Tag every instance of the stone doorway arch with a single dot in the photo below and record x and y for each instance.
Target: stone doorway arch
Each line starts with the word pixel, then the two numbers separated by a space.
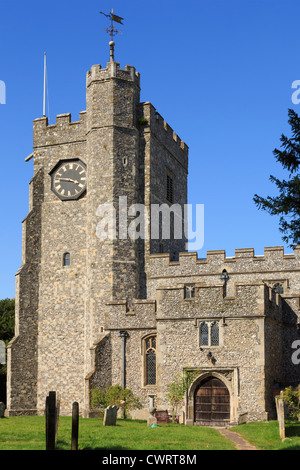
pixel 211 403
pixel 211 400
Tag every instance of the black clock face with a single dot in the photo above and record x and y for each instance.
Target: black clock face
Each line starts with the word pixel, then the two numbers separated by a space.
pixel 69 179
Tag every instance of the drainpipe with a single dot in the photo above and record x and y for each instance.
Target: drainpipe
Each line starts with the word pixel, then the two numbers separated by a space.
pixel 124 335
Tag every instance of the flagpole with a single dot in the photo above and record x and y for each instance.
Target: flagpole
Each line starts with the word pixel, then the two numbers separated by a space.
pixel 44 97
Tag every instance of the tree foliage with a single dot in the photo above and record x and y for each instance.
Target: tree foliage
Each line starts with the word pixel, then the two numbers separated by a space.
pixel 292 399
pixel 178 387
pixel 7 319
pixel 287 204
pixel 7 324
pixel 115 395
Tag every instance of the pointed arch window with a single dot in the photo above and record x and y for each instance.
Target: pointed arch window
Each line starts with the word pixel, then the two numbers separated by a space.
pixel 150 360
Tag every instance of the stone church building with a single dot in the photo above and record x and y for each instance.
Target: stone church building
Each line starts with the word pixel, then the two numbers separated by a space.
pixel 93 312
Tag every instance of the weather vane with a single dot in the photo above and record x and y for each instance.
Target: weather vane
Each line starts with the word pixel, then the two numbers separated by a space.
pixel 112 30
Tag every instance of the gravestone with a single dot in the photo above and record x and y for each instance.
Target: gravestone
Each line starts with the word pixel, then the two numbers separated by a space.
pixel 280 415
pixel 2 409
pixel 152 420
pixel 52 416
pixel 75 426
pixel 110 416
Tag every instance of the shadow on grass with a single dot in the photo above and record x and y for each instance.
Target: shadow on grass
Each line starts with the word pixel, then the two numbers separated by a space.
pixel 106 449
pixel 291 431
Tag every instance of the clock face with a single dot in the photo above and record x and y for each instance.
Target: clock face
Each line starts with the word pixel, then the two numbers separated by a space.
pixel 68 179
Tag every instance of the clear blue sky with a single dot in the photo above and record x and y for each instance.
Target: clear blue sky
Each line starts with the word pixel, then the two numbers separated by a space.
pixel 219 72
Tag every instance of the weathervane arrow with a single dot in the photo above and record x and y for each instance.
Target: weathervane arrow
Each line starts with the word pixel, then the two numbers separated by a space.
pixel 116 18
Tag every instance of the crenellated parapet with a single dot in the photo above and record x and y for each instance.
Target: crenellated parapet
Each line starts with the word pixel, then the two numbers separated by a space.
pixel 249 299
pixel 245 260
pixel 159 128
pixel 135 314
pixel 62 132
pixel 113 70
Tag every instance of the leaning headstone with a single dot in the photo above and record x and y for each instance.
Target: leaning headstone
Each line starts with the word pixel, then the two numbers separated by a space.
pixel 2 409
pixel 110 416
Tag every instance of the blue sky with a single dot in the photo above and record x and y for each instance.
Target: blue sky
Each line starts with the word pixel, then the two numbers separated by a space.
pixel 219 71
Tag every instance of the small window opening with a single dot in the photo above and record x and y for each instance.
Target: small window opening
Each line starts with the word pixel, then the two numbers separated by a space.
pixel 278 288
pixel 189 292
pixel 67 259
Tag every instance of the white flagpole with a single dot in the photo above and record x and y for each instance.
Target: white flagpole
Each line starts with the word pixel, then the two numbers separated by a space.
pixel 44 98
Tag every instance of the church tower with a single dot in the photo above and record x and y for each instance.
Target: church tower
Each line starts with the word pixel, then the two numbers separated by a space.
pixel 119 154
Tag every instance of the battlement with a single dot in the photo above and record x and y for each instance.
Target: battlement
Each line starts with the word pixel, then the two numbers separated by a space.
pixel 248 299
pixel 133 314
pixel 161 129
pixel 245 260
pixel 113 70
pixel 63 131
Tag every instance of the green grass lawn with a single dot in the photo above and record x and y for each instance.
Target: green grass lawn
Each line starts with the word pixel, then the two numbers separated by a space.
pixel 28 433
pixel 265 435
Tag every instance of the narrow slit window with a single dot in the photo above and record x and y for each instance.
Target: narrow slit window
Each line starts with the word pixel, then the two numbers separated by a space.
pixel 170 189
pixel 66 259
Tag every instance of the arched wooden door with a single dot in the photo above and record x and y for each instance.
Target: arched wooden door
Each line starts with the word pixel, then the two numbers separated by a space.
pixel 212 403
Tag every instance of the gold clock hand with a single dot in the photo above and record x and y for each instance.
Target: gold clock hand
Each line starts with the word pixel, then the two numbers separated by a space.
pixel 69 179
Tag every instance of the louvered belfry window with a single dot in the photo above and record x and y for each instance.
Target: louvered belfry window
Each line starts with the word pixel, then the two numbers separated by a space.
pixel 150 352
pixel 170 189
